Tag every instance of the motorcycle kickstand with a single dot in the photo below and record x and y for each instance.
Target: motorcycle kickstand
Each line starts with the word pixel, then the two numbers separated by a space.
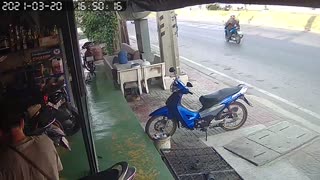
pixel 206 131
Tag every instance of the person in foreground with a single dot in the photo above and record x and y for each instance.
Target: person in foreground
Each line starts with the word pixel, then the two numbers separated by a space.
pixel 23 157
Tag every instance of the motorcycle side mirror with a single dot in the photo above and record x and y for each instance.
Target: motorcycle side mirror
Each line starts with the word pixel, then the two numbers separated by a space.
pixel 189 84
pixel 172 70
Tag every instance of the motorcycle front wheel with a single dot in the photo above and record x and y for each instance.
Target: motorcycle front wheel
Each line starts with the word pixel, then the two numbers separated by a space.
pixel 75 124
pixel 238 117
pixel 238 39
pixel 69 123
pixel 158 126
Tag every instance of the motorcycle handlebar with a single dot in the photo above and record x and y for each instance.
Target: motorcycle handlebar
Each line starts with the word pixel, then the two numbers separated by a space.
pixel 191 93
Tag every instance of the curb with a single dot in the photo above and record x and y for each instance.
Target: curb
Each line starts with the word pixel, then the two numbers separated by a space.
pixel 273 19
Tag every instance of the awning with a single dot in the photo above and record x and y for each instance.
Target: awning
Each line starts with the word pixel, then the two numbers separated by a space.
pixel 163 5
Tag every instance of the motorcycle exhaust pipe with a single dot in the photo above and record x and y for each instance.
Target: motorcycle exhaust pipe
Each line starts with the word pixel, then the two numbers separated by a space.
pixel 216 123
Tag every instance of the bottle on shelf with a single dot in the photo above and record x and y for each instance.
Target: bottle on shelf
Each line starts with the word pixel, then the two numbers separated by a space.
pixel 18 38
pixel 12 38
pixel 24 38
pixel 30 40
pixel 44 31
pixel 36 36
pixel 55 30
pixel 6 42
pixel 42 69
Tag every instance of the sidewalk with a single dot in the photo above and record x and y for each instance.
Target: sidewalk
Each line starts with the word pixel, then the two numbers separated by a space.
pixel 300 163
pixel 202 84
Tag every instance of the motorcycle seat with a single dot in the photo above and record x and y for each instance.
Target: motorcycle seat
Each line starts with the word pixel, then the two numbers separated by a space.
pixel 216 97
pixel 51 89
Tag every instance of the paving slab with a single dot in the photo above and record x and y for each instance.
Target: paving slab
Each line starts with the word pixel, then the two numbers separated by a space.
pixel 306 163
pixel 271 140
pixel 313 149
pixel 278 169
pixel 270 143
pixel 252 151
pixel 308 160
pixel 279 126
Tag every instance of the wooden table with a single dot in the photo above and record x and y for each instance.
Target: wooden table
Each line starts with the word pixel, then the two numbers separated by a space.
pixel 126 75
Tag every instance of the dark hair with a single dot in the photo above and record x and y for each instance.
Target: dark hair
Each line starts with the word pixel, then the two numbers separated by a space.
pixel 10 116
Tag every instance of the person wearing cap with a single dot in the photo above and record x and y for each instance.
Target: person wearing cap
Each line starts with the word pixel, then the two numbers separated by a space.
pixel 21 156
pixel 231 23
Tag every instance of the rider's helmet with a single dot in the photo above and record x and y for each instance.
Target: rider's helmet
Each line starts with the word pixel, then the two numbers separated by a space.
pixel 87 45
pixel 234 15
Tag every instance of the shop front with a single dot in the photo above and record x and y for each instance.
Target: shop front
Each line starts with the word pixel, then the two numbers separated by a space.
pixel 39 48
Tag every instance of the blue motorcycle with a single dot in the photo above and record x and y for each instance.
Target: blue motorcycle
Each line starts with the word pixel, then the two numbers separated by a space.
pixel 236 35
pixel 219 109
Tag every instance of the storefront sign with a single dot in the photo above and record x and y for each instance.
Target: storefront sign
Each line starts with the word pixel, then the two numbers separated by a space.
pixel 45 54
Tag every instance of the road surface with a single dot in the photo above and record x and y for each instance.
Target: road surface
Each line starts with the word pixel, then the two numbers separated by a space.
pixel 281 62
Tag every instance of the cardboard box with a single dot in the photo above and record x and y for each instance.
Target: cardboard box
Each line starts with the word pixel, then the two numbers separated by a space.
pixel 49 41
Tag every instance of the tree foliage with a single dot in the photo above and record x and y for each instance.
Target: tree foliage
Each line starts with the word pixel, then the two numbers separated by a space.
pixel 213 7
pixel 99 26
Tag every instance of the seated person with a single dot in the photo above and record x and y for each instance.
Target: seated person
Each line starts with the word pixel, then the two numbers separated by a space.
pixel 132 53
pixel 127 53
pixel 23 157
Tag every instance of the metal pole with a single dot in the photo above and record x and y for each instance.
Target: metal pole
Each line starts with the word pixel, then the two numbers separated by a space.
pixel 143 38
pixel 78 86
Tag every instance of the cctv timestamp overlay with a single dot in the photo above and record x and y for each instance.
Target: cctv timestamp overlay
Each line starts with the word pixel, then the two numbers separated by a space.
pixel 62 5
pixel 100 5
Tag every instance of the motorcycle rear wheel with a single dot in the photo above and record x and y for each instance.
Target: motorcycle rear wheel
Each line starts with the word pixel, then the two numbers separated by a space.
pixel 235 106
pixel 159 120
pixel 227 39
pixel 90 68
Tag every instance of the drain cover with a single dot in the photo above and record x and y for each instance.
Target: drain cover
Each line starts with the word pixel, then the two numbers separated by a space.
pixel 266 145
pixel 198 164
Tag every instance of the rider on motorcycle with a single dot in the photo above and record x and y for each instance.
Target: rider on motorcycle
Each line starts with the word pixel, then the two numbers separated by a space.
pixel 231 23
pixel 88 52
pixel 88 57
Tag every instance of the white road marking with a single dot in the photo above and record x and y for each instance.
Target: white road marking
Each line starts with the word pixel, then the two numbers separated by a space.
pixel 307 111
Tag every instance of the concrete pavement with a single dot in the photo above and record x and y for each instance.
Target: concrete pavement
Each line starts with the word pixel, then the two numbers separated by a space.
pixel 259 116
pixel 300 164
